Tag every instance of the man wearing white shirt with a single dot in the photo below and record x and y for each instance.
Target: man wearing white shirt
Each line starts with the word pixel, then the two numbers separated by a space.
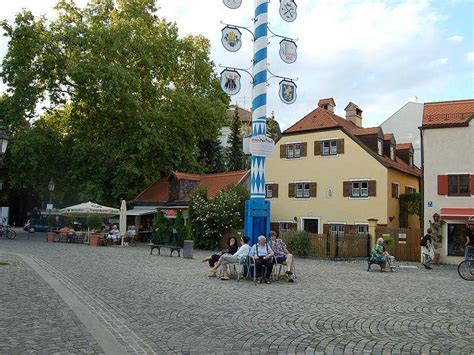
pixel 236 258
pixel 263 255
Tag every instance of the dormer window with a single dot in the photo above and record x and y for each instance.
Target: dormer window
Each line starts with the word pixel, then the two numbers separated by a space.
pixel 392 152
pixel 380 146
pixel 411 159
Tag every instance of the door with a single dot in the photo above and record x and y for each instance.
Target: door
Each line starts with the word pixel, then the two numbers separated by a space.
pixel 311 225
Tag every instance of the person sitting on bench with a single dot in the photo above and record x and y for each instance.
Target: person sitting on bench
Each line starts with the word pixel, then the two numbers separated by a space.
pixel 232 248
pixel 263 256
pixel 114 234
pixel 236 258
pixel 282 255
pixel 377 255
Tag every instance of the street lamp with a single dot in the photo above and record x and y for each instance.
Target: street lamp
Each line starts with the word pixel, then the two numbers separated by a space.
pixel 51 189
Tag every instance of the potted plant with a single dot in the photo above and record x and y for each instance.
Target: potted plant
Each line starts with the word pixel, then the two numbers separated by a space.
pixel 437 234
pixel 94 223
pixel 51 235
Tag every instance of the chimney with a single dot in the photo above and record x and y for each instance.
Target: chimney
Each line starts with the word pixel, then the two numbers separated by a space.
pixel 327 104
pixel 354 114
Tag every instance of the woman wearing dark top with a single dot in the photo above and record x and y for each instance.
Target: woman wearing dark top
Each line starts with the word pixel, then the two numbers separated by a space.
pixel 231 249
pixel 469 246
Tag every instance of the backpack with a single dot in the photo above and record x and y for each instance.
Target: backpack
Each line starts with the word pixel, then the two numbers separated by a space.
pixel 424 241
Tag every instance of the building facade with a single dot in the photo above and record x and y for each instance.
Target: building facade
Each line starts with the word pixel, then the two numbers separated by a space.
pixel 448 173
pixel 331 175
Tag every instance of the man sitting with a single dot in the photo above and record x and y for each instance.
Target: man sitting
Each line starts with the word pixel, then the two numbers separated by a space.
pixel 263 256
pixel 236 258
pixel 113 234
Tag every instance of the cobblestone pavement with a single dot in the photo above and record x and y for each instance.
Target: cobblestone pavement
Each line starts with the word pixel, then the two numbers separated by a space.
pixel 157 304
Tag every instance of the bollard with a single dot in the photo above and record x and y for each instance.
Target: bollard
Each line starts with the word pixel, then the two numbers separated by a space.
pixel 188 248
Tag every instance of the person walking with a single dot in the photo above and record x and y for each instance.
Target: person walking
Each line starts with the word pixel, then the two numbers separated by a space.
pixel 427 251
pixel 469 245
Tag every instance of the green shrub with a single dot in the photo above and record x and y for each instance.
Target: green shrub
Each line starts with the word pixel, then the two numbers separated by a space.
pixel 298 243
pixel 162 232
pixel 94 223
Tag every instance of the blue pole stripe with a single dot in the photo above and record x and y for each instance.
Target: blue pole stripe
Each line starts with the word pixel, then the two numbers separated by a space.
pixel 259 101
pixel 262 8
pixel 260 55
pixel 261 77
pixel 261 31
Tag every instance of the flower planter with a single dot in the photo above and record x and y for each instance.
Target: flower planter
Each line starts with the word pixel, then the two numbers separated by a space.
pixel 94 240
pixel 51 236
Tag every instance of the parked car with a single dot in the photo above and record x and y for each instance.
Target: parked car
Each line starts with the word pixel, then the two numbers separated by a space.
pixel 39 225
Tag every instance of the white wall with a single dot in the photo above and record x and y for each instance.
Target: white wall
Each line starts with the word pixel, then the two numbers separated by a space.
pixel 446 151
pixel 404 125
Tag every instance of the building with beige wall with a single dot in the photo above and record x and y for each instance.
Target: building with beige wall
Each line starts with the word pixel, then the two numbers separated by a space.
pixel 448 172
pixel 331 175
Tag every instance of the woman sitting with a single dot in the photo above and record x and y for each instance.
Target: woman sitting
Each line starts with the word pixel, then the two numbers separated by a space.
pixel 378 255
pixel 231 249
pixel 282 255
pixel 113 234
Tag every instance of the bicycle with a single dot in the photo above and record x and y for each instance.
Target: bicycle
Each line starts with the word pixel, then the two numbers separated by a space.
pixel 466 269
pixel 7 232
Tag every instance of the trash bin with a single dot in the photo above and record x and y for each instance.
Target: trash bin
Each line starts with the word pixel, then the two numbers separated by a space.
pixel 188 246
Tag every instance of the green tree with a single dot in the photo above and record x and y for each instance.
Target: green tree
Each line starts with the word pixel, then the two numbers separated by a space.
pixel 139 97
pixel 212 156
pixel 235 152
pixel 273 128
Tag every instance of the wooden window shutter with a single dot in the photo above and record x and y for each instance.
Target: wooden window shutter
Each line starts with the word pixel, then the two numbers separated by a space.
pixel 304 149
pixel 275 190
pixel 394 190
pixel 283 151
pixel 346 188
pixel 317 148
pixel 442 184
pixel 312 189
pixel 340 146
pixel 291 190
pixel 472 184
pixel 372 188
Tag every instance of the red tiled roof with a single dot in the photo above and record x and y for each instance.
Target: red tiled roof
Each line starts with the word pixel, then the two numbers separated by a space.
pixel 320 119
pixel 245 115
pixel 400 165
pixel 448 113
pixel 158 192
pixel 366 131
pixel 403 146
pixel 388 136
pixel 328 101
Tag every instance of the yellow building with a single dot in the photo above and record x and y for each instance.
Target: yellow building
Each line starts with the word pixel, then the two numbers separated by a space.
pixel 330 175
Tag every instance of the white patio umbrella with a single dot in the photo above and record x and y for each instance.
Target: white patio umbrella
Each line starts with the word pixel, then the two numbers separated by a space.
pixel 88 209
pixel 123 220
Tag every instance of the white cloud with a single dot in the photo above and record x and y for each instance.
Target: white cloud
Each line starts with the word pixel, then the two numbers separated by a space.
pixel 470 56
pixel 456 38
pixel 440 61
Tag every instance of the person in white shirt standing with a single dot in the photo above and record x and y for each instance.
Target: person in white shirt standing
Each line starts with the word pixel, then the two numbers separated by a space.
pixel 236 258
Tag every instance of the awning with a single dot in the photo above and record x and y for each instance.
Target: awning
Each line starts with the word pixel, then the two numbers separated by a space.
pixel 140 211
pixel 463 214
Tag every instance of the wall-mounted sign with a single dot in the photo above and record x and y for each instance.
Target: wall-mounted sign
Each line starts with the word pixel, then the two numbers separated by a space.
pixel 231 38
pixel 230 81
pixel 288 51
pixel 261 146
pixel 233 4
pixel 288 10
pixel 402 238
pixel 287 91
pixel 430 203
pixel 329 192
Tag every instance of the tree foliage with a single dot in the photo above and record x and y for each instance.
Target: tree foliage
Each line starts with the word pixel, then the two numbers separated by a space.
pixel 124 99
pixel 273 128
pixel 235 152
pixel 410 204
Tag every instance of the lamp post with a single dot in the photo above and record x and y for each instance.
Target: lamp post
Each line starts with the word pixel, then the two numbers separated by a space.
pixel 51 189
pixel 3 149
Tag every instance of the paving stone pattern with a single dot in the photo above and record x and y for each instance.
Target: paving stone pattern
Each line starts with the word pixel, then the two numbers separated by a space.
pixel 157 304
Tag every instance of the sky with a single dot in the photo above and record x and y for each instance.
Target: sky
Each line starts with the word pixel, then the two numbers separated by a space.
pixel 378 54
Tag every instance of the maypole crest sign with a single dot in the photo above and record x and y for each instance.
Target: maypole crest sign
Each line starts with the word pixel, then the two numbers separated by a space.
pixel 233 4
pixel 261 146
pixel 287 91
pixel 231 38
pixel 288 51
pixel 230 81
pixel 288 10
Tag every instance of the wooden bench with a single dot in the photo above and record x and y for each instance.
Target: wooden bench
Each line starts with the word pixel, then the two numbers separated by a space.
pixel 172 248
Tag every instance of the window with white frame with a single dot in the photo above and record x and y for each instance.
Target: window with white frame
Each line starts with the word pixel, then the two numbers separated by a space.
pixel 293 150
pixel 380 147
pixel 269 191
pixel 392 152
pixel 360 189
pixel 286 226
pixel 337 229
pixel 363 229
pixel 329 147
pixel 302 190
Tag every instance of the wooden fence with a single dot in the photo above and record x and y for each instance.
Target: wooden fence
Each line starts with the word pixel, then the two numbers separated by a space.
pixel 405 244
pixel 333 246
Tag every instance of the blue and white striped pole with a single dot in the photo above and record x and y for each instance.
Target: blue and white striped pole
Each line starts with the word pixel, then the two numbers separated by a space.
pixel 259 95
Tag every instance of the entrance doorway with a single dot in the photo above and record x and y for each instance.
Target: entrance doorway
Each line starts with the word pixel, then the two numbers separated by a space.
pixel 310 225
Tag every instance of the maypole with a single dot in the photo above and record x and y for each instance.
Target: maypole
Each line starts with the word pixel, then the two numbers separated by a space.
pixel 257 209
